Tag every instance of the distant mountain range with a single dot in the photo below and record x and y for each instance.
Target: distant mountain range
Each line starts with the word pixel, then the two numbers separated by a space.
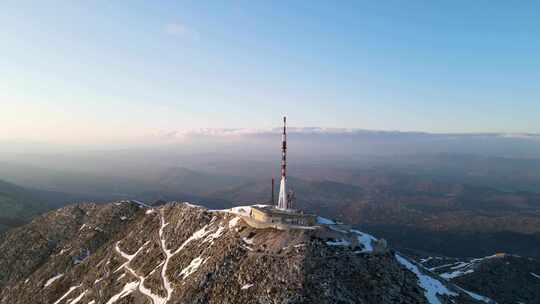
pixel 450 205
pixel 413 208
pixel 19 205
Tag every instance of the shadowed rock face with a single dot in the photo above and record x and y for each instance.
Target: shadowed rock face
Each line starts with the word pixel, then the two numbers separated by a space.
pixel 179 253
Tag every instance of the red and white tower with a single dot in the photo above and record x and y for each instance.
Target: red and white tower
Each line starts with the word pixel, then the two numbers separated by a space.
pixel 283 201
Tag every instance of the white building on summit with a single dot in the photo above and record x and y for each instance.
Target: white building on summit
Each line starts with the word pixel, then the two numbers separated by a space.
pixel 287 216
pixel 284 215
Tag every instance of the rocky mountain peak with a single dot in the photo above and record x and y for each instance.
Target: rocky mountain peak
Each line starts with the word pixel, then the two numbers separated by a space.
pixel 181 253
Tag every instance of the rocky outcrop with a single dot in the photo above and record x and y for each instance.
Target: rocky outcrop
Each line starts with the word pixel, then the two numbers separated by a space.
pixel 180 253
pixel 58 239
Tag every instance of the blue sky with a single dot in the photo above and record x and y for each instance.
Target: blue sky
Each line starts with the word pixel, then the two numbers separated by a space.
pixel 98 71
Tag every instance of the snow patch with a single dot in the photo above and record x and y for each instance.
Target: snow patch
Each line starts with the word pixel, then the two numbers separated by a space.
pixel 150 211
pixel 459 269
pixel 425 260
pixel 365 239
pixel 246 247
pixel 129 257
pixel 455 274
pixel 204 232
pixel 70 290
pixel 535 275
pixel 305 227
pixel 494 256
pixel 128 289
pixel 156 299
pixel 441 266
pixel 78 299
pixel 192 267
pixel 339 243
pixel 166 283
pixel 247 241
pixel 156 268
pixel 261 205
pixel 431 286
pixel 100 262
pixel 247 286
pixel 333 227
pixel 460 265
pixel 233 222
pixel 51 280
pixel 239 210
pixel 139 203
pixel 168 254
pixel 192 205
pixel 478 297
pixel 211 237
pixel 324 221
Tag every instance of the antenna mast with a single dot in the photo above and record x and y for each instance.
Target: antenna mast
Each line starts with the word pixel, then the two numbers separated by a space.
pixel 283 202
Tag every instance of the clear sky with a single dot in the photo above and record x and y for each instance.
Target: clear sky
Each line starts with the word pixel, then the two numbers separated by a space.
pixel 101 71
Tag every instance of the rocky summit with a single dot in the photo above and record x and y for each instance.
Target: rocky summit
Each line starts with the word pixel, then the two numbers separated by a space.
pixel 181 253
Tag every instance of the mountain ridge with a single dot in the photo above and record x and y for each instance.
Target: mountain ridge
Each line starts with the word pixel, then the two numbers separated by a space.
pixel 20 204
pixel 180 253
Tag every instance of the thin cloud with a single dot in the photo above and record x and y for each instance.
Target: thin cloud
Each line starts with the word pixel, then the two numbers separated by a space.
pixel 241 132
pixel 181 30
pixel 315 131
